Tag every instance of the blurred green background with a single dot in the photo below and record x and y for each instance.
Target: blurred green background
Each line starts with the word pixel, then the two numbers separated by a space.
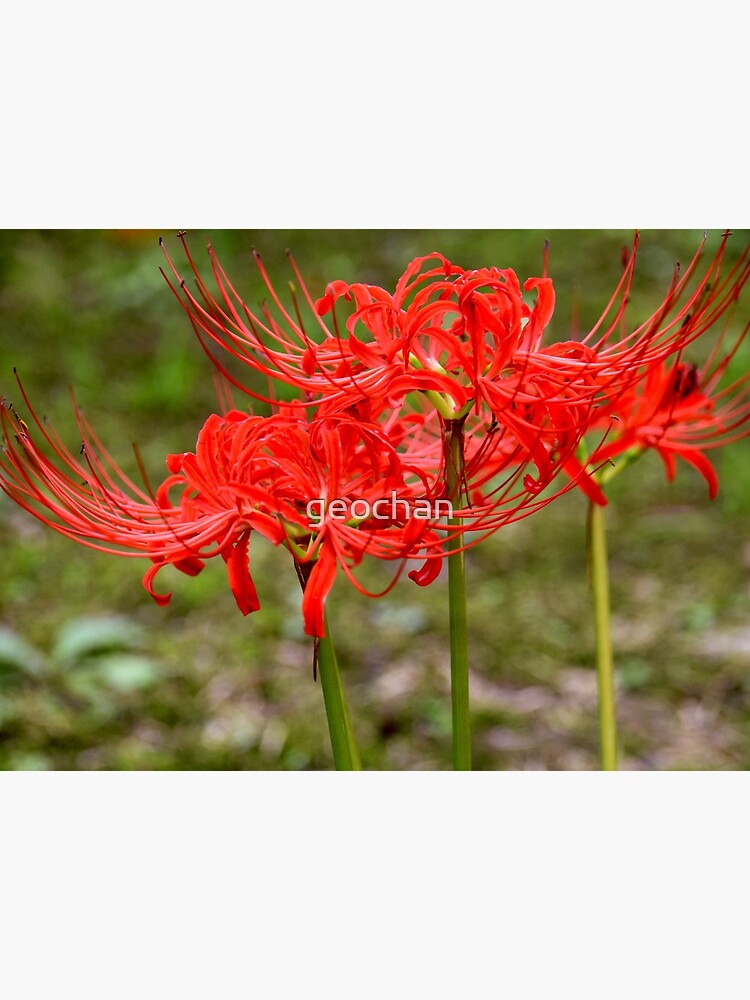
pixel 93 675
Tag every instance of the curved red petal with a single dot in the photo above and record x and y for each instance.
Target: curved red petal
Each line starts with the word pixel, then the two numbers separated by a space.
pixel 700 462
pixel 238 571
pixel 148 582
pixel 316 590
pixel 427 573
pixel 191 565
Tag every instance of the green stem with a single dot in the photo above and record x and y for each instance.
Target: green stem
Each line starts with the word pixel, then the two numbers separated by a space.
pixel 345 753
pixel 457 604
pixel 597 546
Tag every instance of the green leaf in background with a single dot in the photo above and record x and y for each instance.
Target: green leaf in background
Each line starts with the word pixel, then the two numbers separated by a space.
pixel 126 673
pixel 31 762
pixel 105 682
pixel 18 658
pixel 89 636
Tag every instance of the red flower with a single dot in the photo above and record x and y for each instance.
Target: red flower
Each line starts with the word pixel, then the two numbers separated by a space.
pixel 680 411
pixel 248 473
pixel 430 336
pixel 462 338
pixel 465 341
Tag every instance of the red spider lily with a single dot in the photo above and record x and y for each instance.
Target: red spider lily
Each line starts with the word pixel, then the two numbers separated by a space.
pixel 463 338
pixel 467 342
pixel 680 411
pixel 247 473
pixel 281 464
pixel 448 335
pixel 677 408
pixel 405 348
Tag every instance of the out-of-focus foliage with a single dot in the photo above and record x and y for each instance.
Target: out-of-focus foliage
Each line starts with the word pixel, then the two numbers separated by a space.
pixel 93 675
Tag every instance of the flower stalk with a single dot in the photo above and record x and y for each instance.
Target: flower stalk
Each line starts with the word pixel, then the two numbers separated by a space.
pixel 345 752
pixel 454 443
pixel 597 548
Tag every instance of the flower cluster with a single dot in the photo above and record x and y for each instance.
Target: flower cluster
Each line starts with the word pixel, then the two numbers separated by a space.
pixel 443 389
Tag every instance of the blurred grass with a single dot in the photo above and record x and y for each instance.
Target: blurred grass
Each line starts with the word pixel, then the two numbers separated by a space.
pixel 195 685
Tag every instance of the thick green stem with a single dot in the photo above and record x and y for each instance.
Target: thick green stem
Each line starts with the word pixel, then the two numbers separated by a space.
pixel 345 753
pixel 597 546
pixel 457 603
